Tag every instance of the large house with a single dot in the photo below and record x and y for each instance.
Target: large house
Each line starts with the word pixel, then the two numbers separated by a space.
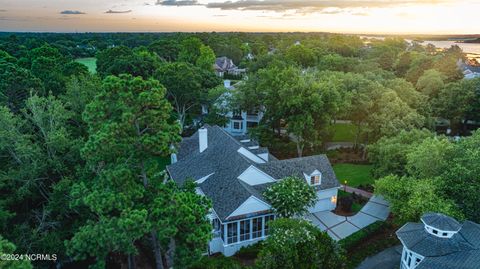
pixel 239 121
pixel 233 171
pixel 440 242
pixel 224 65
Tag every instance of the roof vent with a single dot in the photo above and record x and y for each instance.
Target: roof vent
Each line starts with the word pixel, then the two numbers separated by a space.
pixel 440 225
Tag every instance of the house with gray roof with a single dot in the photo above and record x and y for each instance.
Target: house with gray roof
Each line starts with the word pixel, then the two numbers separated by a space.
pixel 239 121
pixel 440 242
pixel 224 65
pixel 234 171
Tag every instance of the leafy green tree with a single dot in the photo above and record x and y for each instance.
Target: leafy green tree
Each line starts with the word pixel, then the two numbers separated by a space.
pixel 123 60
pixel 290 197
pixel 390 115
pixel 302 101
pixel 80 90
pixel 16 85
pixel 187 86
pixel 431 82
pixel 130 126
pixel 301 55
pixel 403 63
pixel 410 198
pixel 190 50
pixel 460 177
pixel 167 49
pixel 295 243
pixel 453 102
pixel 8 248
pixel 206 59
pixel 389 154
pixel 474 110
pixel 420 63
pixel 38 154
pixel 429 158
pixel 334 62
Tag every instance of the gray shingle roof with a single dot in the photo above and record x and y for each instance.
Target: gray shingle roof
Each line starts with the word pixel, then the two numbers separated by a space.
pixel 223 164
pixel 441 222
pixel 296 167
pixel 462 250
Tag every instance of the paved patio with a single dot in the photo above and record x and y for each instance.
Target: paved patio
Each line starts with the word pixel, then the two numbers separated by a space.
pixel 339 227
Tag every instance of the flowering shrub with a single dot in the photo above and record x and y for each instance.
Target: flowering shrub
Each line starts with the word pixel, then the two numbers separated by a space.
pixel 295 244
pixel 291 196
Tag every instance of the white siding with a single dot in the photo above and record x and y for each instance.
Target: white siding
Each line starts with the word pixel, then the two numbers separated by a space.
pixel 324 202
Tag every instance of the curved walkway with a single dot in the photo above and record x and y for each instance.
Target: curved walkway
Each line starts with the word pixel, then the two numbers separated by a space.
pixel 387 259
pixel 339 227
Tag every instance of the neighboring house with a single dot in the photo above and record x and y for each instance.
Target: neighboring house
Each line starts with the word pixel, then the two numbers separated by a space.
pixel 233 172
pixel 238 121
pixel 440 242
pixel 224 65
pixel 469 71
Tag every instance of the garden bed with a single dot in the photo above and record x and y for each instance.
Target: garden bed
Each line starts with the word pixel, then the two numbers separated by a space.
pixel 357 203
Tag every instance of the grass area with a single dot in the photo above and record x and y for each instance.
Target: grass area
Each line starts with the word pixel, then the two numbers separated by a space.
pixel 90 63
pixel 355 174
pixel 344 132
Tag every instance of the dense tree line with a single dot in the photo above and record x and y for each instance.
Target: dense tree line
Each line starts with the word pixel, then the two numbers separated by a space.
pixel 82 156
pixel 82 153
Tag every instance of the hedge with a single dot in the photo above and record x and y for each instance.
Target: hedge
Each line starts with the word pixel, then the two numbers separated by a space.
pixel 356 237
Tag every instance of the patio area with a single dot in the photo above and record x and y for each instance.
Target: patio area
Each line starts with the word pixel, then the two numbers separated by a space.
pixel 339 227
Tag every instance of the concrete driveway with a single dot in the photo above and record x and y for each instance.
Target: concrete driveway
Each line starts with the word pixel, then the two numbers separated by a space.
pixel 387 259
pixel 339 227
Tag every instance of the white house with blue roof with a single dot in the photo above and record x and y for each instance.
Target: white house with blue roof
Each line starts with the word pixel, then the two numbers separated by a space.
pixel 233 171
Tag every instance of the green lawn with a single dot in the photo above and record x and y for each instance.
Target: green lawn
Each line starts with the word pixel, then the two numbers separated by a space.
pixel 90 62
pixel 344 132
pixel 355 174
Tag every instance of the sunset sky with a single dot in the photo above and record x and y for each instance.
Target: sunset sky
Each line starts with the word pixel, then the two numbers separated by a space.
pixel 346 16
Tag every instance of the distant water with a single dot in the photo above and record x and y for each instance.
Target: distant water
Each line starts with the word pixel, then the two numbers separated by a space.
pixel 469 48
pixel 473 48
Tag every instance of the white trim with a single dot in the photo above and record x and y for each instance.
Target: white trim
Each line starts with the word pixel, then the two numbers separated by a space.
pixel 245 152
pixel 262 203
pixel 245 141
pixel 250 181
pixel 201 180
pixel 254 147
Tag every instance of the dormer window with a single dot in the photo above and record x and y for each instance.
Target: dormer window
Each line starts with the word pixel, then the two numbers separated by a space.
pixel 315 180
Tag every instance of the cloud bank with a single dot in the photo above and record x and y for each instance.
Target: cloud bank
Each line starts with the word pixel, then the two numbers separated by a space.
pixel 313 5
pixel 118 11
pixel 72 12
pixel 177 3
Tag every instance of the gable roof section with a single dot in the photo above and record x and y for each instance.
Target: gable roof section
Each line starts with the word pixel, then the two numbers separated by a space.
pixel 254 176
pixel 219 167
pixel 298 166
pixel 221 158
pixel 252 204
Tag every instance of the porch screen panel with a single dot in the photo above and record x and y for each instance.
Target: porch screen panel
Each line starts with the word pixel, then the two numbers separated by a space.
pixel 257 227
pixel 232 233
pixel 244 230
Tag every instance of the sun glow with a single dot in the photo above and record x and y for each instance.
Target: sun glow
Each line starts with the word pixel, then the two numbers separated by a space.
pixel 435 17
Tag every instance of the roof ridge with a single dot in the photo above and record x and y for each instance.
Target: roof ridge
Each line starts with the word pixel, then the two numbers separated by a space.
pixel 299 158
